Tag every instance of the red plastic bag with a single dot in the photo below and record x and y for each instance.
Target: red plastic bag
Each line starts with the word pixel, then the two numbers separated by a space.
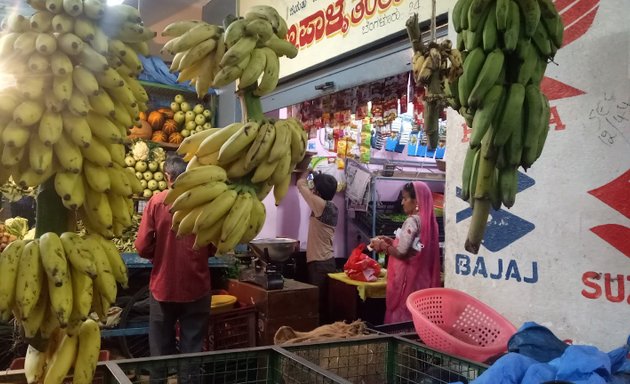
pixel 361 267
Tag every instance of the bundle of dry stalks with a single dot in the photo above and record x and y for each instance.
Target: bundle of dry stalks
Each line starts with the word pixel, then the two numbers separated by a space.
pixel 327 332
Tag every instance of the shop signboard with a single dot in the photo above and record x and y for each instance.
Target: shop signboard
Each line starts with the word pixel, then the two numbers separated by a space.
pixel 561 255
pixel 325 29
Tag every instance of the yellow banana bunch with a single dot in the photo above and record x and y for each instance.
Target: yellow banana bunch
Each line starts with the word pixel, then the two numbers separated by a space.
pixel 247 50
pixel 230 169
pixel 53 283
pixel 75 98
pixel 506 46
pixel 197 48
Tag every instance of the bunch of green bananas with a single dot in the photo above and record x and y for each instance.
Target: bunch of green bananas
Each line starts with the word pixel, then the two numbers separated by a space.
pixel 431 69
pixel 75 64
pixel 248 49
pixel 228 167
pixel 507 46
pixel 51 285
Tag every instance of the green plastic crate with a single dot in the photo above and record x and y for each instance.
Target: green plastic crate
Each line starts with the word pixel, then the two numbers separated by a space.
pixel 246 366
pixel 387 359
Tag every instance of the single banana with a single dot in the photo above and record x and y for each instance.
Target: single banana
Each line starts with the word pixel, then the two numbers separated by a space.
pixel 270 75
pixel 260 28
pixel 68 154
pixel 238 142
pixel 92 60
pixel 60 64
pixel 187 223
pixel 282 142
pixel 35 319
pixel 214 142
pixel 282 169
pixel 103 128
pixel 178 28
pixel 119 183
pixel 105 280
pixel 102 104
pixel 192 143
pixel 61 360
pixel 282 47
pixel 198 195
pixel 97 153
pixel 235 217
pixel 119 268
pixel 215 210
pixel 30 278
pixel 24 44
pixel 82 292
pixel 34 364
pixel 109 79
pixel 256 221
pixel 234 32
pixel 9 262
pixel 38 63
pixel 97 209
pixel 88 352
pixel 280 190
pixel 194 36
pixel 264 171
pixel 210 235
pixel 77 129
pixel 254 68
pixel 40 155
pixel 76 254
pixel 62 87
pixel 237 52
pixel 237 168
pixel 234 237
pixel 198 176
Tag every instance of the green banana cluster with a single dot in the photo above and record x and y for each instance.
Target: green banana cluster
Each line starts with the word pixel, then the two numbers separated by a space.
pixel 506 47
pixel 226 168
pixel 75 63
pixel 434 66
pixel 247 50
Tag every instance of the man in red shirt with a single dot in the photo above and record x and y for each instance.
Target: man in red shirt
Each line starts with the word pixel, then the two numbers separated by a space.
pixel 180 278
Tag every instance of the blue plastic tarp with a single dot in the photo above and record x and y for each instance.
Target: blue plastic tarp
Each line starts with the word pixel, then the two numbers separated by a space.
pixel 156 71
pixel 536 356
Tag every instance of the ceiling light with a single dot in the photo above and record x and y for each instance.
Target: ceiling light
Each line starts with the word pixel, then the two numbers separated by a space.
pixel 114 2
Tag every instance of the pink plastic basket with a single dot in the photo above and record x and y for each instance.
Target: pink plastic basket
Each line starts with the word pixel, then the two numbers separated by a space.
pixel 456 323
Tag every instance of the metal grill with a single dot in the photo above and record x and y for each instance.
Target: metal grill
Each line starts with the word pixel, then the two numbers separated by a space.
pixel 386 359
pixel 252 366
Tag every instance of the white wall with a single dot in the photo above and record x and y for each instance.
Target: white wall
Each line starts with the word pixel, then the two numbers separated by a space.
pixel 568 294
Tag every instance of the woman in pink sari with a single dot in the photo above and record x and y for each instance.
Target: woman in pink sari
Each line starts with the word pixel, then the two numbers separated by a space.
pixel 414 255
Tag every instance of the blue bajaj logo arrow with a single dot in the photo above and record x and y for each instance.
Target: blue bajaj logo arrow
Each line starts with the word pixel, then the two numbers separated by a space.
pixel 503 228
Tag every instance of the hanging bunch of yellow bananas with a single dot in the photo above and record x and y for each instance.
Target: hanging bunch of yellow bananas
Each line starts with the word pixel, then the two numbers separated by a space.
pixel 248 49
pixel 75 64
pixel 434 66
pixel 508 44
pixel 51 285
pixel 230 171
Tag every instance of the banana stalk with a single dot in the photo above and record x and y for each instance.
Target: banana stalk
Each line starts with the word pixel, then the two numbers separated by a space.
pixel 252 105
pixel 51 215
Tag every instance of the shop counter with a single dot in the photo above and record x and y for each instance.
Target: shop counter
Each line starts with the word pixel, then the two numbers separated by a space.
pixel 350 300
pixel 296 305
